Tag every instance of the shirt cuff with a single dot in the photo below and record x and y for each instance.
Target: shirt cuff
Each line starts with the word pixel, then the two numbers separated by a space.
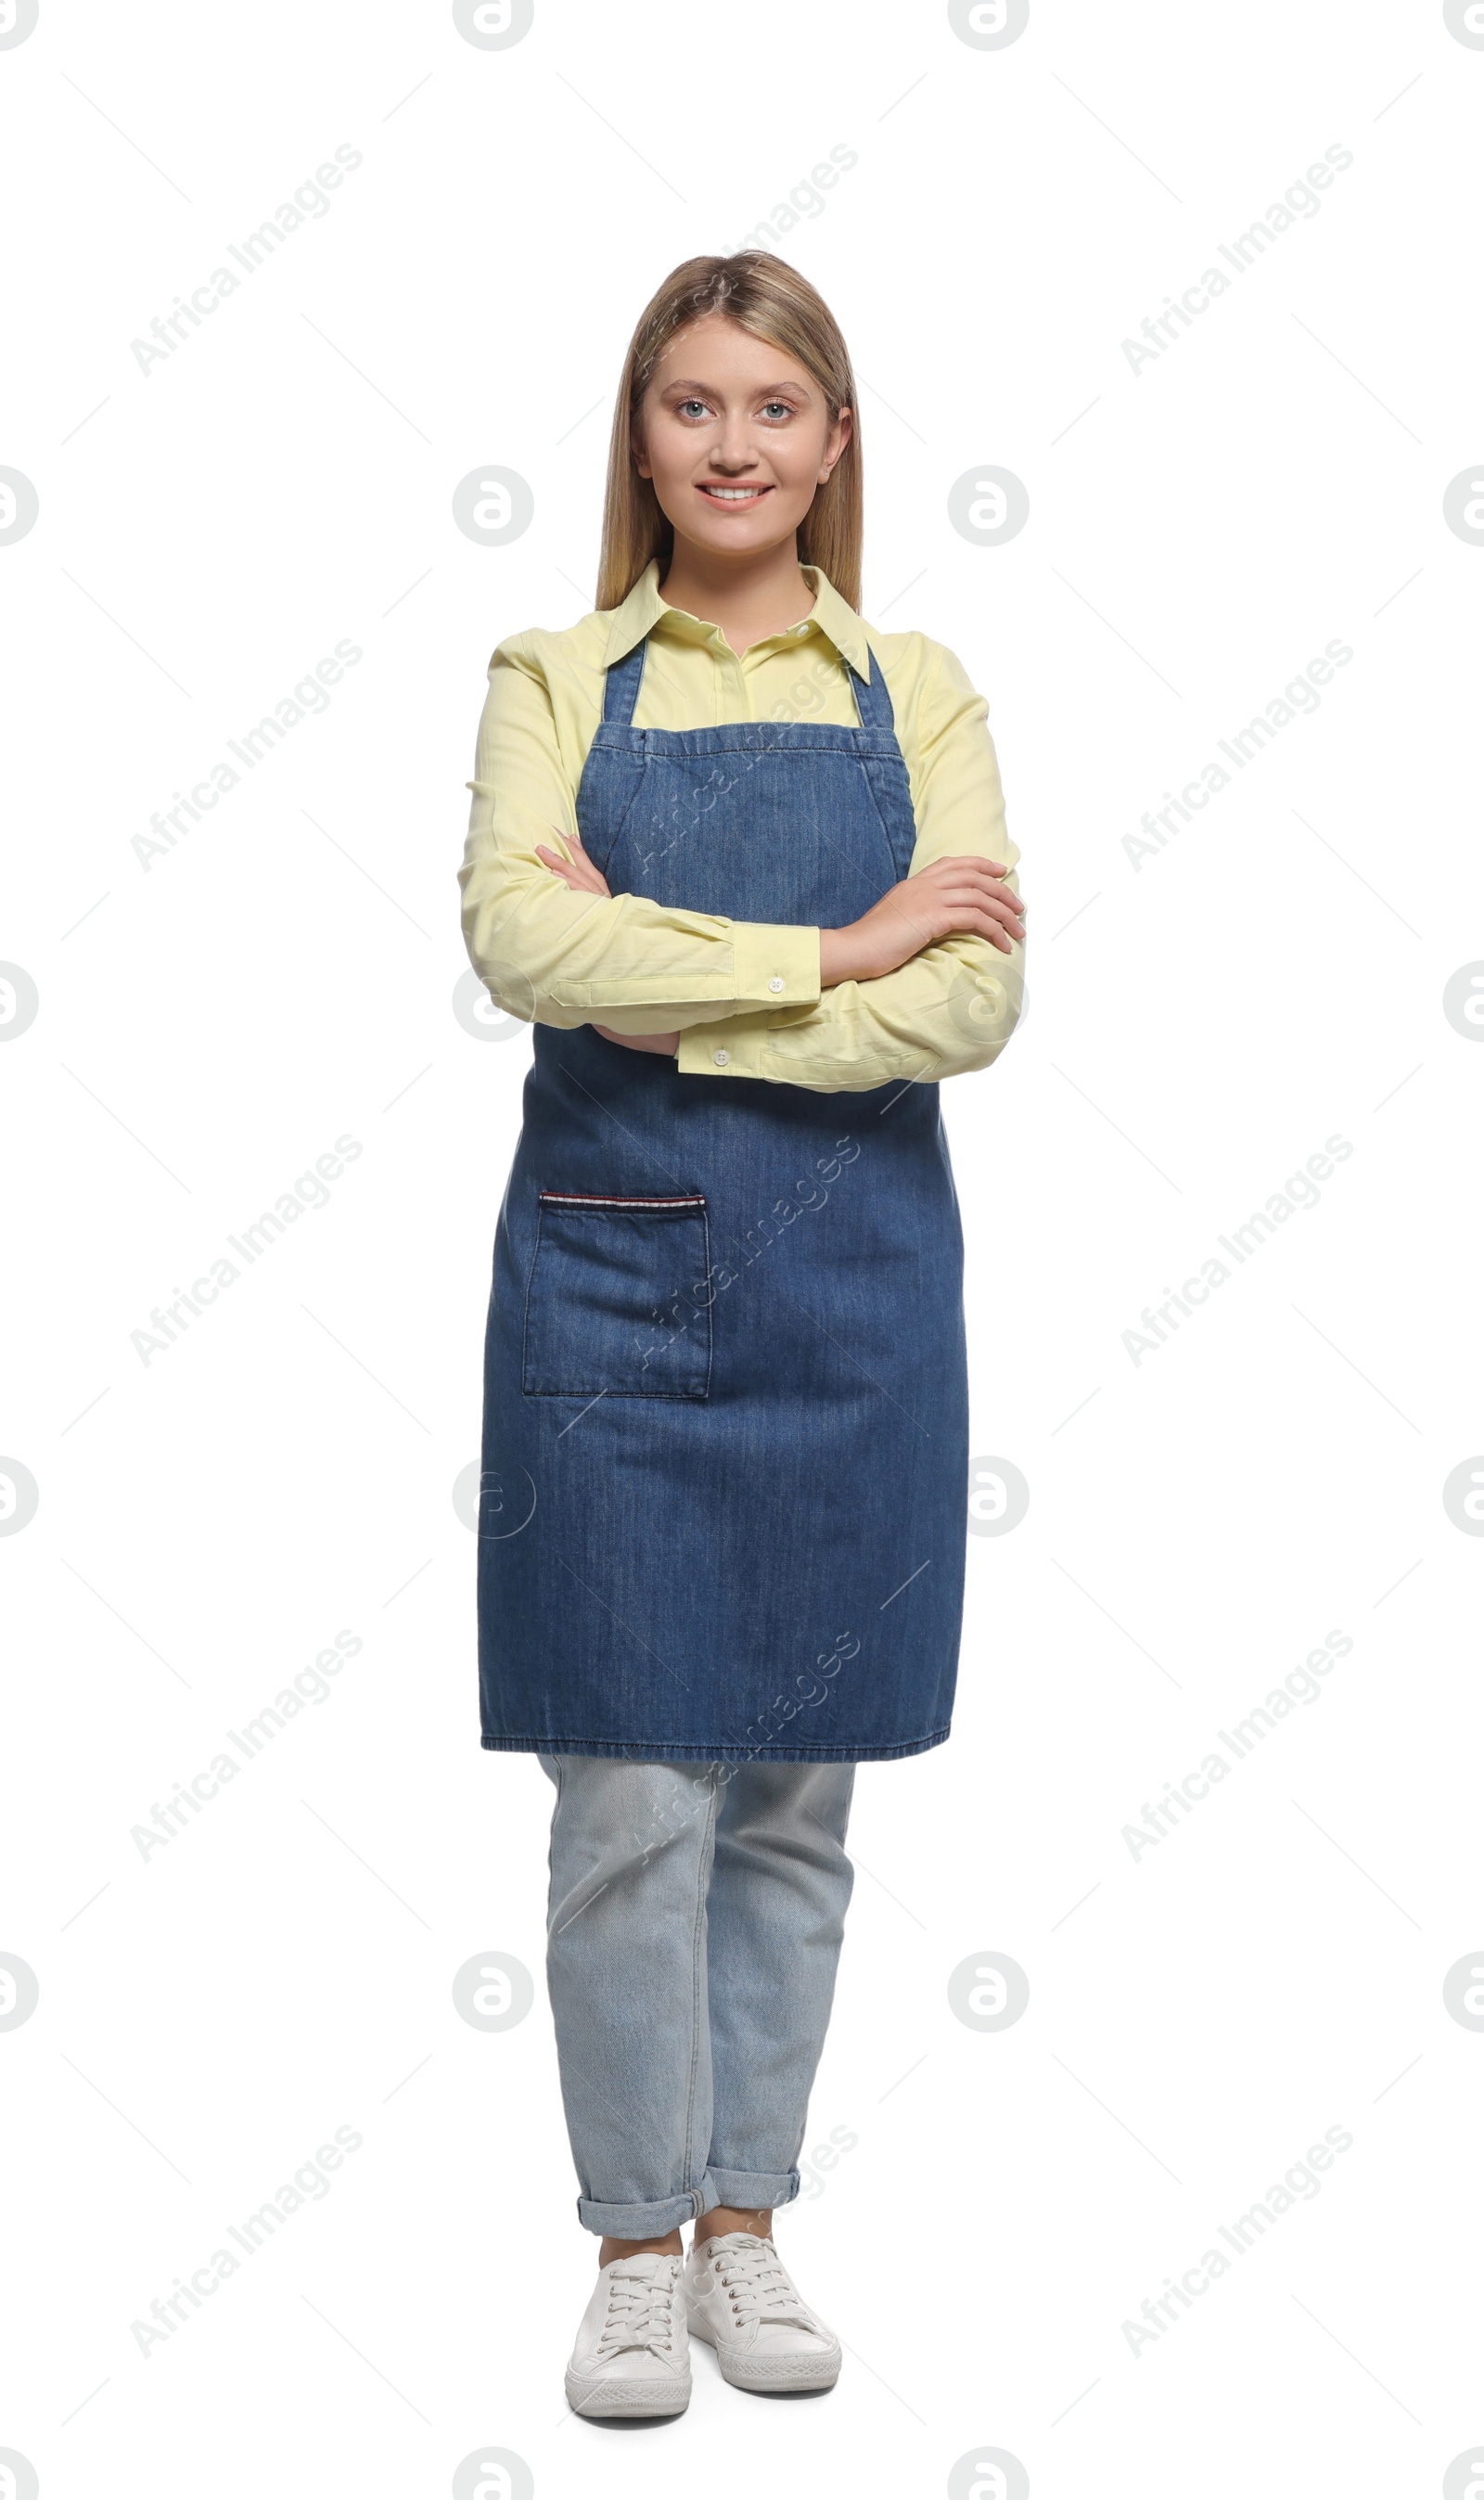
pixel 734 1047
pixel 774 967
pixel 779 964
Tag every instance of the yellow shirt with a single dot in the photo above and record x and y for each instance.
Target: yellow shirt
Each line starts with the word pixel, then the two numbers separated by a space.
pixel 744 995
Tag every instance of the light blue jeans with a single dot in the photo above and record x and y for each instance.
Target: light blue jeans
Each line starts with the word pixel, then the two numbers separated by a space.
pixel 693 1933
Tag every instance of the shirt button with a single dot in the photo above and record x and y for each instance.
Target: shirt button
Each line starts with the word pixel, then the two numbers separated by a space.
pixel 776 984
pixel 721 1057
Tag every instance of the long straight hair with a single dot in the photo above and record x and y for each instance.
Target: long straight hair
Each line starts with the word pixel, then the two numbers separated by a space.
pixel 769 297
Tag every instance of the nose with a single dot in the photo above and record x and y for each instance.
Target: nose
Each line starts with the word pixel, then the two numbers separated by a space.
pixel 733 450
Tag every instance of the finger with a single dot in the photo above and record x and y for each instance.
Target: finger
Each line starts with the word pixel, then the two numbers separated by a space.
pixel 969 920
pixel 1006 915
pixel 988 892
pixel 969 860
pixel 962 876
pixel 579 877
pixel 966 874
pixel 1003 909
pixel 983 926
pixel 979 872
pixel 994 935
pixel 998 922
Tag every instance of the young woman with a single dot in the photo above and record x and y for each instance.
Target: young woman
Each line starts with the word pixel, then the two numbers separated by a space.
pixel 741 861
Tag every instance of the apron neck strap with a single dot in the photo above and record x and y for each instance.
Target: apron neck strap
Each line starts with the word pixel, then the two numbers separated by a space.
pixel 871 699
pixel 620 688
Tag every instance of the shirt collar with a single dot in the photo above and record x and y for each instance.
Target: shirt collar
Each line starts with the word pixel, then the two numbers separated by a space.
pixel 644 605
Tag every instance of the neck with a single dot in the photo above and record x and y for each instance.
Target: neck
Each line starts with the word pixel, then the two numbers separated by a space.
pixel 749 597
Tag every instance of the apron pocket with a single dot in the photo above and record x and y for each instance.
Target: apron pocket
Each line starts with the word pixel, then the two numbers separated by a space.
pixel 614 1303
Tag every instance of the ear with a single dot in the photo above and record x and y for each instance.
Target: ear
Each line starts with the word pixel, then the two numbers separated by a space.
pixel 838 435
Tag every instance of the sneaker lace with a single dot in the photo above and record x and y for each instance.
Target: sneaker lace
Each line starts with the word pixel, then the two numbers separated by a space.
pixel 641 2304
pixel 756 2281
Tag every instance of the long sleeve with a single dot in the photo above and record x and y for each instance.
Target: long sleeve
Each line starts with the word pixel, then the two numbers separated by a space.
pixel 566 959
pixel 952 1007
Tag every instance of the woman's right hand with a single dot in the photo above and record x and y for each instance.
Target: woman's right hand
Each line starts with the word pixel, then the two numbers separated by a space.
pixel 965 895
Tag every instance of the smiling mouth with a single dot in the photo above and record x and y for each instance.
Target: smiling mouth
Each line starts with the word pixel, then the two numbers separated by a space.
pixel 736 494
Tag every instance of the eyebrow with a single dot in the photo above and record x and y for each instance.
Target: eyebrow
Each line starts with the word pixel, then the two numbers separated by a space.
pixel 771 391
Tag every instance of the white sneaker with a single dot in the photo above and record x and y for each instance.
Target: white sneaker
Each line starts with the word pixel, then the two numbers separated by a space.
pixel 631 2354
pixel 739 2297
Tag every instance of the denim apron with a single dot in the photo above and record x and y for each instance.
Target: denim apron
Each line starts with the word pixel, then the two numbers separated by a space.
pixel 724 1473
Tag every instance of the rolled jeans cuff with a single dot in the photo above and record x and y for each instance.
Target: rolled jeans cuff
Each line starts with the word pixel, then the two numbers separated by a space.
pixel 751 2191
pixel 745 2190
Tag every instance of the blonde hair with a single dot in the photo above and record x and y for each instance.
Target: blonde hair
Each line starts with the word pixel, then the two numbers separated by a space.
pixel 765 296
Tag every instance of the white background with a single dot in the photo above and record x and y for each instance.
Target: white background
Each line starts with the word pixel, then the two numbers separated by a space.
pixel 1199 1520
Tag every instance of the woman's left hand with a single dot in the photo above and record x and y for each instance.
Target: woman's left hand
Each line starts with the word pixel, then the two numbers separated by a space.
pixel 578 874
pixel 581 877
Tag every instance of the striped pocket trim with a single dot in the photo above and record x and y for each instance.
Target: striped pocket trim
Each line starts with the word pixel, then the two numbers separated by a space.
pixel 594 1198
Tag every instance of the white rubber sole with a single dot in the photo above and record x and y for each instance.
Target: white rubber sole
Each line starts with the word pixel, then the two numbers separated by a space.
pixel 777 2372
pixel 633 2399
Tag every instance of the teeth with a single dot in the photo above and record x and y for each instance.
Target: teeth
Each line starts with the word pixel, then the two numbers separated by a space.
pixel 734 494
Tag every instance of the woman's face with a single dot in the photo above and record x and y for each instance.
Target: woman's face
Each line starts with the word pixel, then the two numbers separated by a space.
pixel 735 437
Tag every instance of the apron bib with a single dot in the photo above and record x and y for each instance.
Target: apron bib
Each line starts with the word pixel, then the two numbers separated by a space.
pixel 725 1455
